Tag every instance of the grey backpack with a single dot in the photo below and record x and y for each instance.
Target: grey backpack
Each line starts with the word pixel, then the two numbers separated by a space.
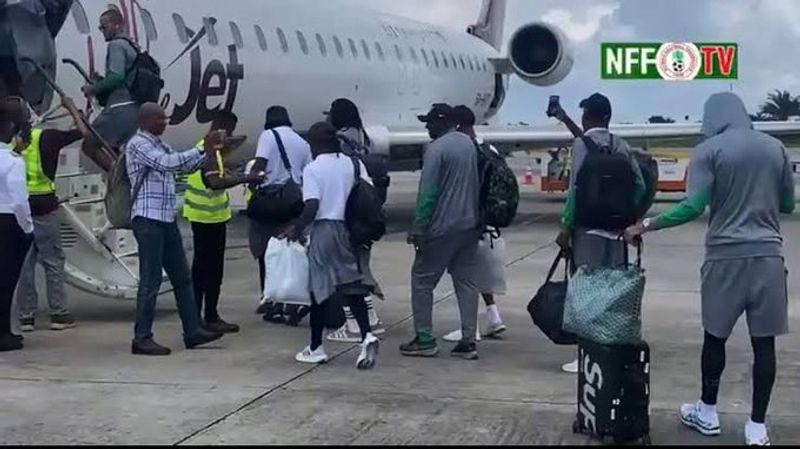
pixel 119 197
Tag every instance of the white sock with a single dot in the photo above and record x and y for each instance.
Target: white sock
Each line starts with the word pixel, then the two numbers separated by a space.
pixel 493 313
pixel 707 411
pixel 760 428
pixel 373 315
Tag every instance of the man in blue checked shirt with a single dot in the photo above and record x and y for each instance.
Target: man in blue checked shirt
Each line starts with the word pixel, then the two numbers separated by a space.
pixel 152 164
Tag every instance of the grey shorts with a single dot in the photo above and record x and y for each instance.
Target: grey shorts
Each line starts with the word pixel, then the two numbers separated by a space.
pixel 117 124
pixel 756 286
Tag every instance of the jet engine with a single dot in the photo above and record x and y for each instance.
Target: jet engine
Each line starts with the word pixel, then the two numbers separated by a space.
pixel 540 54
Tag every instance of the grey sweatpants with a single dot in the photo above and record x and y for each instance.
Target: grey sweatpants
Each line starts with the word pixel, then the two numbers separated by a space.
pixel 755 286
pixel 455 253
pixel 47 250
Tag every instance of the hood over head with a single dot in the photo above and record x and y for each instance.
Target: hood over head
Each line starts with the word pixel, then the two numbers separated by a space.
pixel 724 111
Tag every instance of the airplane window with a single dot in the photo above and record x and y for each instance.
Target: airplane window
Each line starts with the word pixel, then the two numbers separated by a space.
pixel 262 39
pixel 323 50
pixel 435 59
pixel 485 68
pixel 237 35
pixel 365 47
pixel 149 25
pixel 398 52
pixel 425 57
pixel 79 16
pixel 444 60
pixel 461 60
pixel 282 39
pixel 303 44
pixel 379 49
pixel 453 60
pixel 413 55
pixel 211 32
pixel 353 48
pixel 338 44
pixel 471 65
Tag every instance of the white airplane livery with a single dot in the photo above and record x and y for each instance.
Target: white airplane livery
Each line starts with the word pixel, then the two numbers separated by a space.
pixel 246 55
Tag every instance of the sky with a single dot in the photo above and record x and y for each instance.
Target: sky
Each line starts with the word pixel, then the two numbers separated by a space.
pixel 767 31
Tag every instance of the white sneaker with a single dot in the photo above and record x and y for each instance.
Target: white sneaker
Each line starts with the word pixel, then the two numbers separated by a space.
pixel 369 353
pixel 494 330
pixel 755 434
pixel 705 423
pixel 313 357
pixel 571 367
pixel 345 335
pixel 455 336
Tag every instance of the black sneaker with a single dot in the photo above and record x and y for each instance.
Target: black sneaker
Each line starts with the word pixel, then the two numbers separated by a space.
pixel 274 314
pixel 10 342
pixel 296 315
pixel 221 327
pixel 61 322
pixel 416 348
pixel 465 350
pixel 200 338
pixel 149 348
pixel 27 324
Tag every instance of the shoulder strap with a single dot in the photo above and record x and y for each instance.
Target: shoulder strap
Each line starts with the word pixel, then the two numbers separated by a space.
pixel 356 168
pixel 131 43
pixel 286 163
pixel 565 255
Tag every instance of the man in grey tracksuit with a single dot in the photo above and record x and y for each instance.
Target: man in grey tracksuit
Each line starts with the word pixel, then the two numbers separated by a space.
pixel 746 178
pixel 445 232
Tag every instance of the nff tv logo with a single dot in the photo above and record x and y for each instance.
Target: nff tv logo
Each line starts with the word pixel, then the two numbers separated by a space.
pixel 672 61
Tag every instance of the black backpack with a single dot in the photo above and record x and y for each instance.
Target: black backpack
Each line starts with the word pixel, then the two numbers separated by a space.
pixel 605 187
pixel 499 196
pixel 364 214
pixel 649 167
pixel 143 79
pixel 377 166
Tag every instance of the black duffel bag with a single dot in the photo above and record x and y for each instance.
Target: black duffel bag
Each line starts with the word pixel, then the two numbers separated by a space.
pixel 277 203
pixel 547 307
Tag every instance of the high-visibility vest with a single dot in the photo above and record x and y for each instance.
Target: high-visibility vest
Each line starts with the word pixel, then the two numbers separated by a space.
pixel 204 205
pixel 38 183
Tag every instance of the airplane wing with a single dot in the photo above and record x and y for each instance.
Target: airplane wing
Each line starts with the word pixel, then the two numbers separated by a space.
pixel 515 138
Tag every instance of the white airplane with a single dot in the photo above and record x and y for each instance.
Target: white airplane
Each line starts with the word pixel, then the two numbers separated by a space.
pixel 245 55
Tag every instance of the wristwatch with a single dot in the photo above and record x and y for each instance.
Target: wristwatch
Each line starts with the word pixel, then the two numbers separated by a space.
pixel 646 223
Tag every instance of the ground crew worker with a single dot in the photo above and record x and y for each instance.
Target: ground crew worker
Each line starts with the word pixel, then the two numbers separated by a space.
pixel 41 162
pixel 207 207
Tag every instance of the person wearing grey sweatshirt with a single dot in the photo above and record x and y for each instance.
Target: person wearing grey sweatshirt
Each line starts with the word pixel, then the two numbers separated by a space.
pixel 445 233
pixel 746 178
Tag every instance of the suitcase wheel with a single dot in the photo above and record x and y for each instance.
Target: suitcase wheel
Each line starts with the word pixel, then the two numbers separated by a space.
pixel 577 428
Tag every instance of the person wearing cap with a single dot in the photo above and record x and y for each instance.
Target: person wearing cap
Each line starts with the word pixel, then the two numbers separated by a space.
pixel 490 272
pixel 591 247
pixel 278 134
pixel 445 233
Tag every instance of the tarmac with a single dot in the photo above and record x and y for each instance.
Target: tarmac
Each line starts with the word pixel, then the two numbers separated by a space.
pixel 83 386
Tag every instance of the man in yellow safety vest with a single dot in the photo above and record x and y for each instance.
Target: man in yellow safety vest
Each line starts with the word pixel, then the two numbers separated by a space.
pixel 207 208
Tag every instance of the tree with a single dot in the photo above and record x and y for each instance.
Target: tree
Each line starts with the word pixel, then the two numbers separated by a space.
pixel 660 119
pixel 780 106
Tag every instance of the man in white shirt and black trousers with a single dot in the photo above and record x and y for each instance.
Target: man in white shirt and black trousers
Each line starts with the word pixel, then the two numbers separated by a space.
pixel 16 224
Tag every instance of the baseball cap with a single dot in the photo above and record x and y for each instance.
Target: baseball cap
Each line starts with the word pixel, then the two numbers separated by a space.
pixel 439 111
pixel 463 116
pixel 598 105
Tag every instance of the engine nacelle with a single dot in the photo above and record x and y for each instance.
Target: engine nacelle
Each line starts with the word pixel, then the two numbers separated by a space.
pixel 540 54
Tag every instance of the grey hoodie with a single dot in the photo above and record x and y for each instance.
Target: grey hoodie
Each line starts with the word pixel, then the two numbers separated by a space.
pixel 746 176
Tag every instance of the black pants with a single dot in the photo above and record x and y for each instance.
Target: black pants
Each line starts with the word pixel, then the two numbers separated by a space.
pixel 14 245
pixel 764 366
pixel 318 313
pixel 208 267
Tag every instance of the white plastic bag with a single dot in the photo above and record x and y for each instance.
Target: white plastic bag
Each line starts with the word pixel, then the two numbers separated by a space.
pixel 490 266
pixel 287 277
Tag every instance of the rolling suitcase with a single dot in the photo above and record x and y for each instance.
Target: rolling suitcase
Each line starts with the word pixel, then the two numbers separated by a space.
pixel 614 392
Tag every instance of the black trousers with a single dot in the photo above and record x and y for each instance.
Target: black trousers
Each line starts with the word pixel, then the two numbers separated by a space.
pixel 208 267
pixel 14 245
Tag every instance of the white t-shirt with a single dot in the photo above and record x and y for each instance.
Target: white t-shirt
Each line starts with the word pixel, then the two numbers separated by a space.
pixel 297 150
pixel 329 179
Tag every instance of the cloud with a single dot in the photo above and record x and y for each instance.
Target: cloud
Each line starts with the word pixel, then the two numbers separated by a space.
pixel 580 30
